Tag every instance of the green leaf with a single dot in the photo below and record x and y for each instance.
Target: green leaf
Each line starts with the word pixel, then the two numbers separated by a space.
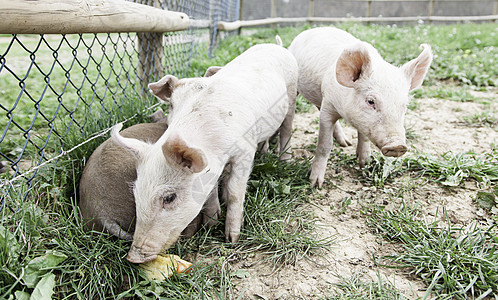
pixel 241 273
pixel 39 266
pixel 9 248
pixel 45 288
pixel 20 295
pixel 486 200
pixel 455 179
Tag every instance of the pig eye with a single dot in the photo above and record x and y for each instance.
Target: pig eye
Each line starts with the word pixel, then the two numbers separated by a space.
pixel 371 102
pixel 169 198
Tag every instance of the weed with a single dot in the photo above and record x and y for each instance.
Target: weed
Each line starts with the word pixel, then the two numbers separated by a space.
pixel 453 93
pixel 485 118
pixel 278 222
pixel 455 262
pixel 354 288
pixel 449 169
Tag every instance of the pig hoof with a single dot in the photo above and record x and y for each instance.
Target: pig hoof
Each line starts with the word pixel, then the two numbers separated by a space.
pixel 136 256
pixel 342 140
pixel 344 143
pixel 285 157
pixel 362 162
pixel 394 151
pixel 316 180
pixel 233 237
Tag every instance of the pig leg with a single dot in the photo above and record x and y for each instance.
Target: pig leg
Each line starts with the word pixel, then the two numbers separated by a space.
pixel 264 146
pixel 235 193
pixel 340 137
pixel 113 228
pixel 363 150
pixel 285 129
pixel 326 127
pixel 211 209
pixel 193 227
pixel 224 183
pixel 208 216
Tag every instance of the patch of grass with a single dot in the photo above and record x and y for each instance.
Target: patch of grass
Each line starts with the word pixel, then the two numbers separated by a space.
pixel 485 118
pixel 355 288
pixel 277 225
pixel 462 52
pixel 455 262
pixel 277 219
pixel 449 169
pixel 61 80
pixel 302 105
pixel 453 93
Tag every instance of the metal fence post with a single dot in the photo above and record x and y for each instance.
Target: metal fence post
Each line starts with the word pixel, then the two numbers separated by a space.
pixel 214 16
pixel 150 56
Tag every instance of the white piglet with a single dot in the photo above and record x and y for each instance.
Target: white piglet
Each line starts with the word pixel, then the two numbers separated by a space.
pixel 347 78
pixel 217 122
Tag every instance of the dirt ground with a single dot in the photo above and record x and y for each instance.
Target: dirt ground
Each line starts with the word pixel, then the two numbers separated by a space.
pixel 439 128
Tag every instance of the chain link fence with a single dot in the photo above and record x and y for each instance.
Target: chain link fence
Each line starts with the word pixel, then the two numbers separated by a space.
pixel 53 84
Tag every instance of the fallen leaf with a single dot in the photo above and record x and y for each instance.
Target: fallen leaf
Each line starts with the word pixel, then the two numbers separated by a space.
pixel 164 266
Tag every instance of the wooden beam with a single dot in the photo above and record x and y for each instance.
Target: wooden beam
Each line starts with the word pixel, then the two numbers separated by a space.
pixel 229 26
pixel 86 16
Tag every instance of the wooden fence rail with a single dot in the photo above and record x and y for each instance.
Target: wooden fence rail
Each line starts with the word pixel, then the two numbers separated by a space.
pixel 229 26
pixel 86 16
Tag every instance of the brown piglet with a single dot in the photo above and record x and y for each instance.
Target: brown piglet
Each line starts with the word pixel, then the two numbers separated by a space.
pixel 106 199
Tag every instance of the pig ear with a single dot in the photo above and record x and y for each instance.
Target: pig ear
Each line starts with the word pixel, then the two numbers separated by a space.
pixel 136 147
pixel 212 70
pixel 352 63
pixel 416 69
pixel 164 87
pixel 177 151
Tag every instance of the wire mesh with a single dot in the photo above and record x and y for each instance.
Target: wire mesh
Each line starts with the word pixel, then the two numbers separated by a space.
pixel 52 84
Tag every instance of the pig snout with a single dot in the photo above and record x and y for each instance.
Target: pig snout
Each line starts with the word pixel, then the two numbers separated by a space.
pixel 137 255
pixel 394 150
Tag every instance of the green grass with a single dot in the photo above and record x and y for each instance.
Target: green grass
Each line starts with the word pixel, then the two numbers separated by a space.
pixel 447 92
pixel 465 53
pixel 94 265
pixel 449 169
pixel 355 288
pixel 455 262
pixel 44 238
pixel 484 118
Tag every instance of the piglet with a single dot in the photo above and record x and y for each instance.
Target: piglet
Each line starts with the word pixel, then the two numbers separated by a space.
pixel 106 198
pixel 216 124
pixel 347 78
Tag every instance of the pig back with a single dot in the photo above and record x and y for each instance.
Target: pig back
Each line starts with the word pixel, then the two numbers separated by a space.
pixel 316 51
pixel 105 189
pixel 256 85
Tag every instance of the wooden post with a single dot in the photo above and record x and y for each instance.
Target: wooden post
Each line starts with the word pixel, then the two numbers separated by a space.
pixel 495 9
pixel 241 3
pixel 431 10
pixel 273 13
pixel 369 9
pixel 311 9
pixel 150 57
